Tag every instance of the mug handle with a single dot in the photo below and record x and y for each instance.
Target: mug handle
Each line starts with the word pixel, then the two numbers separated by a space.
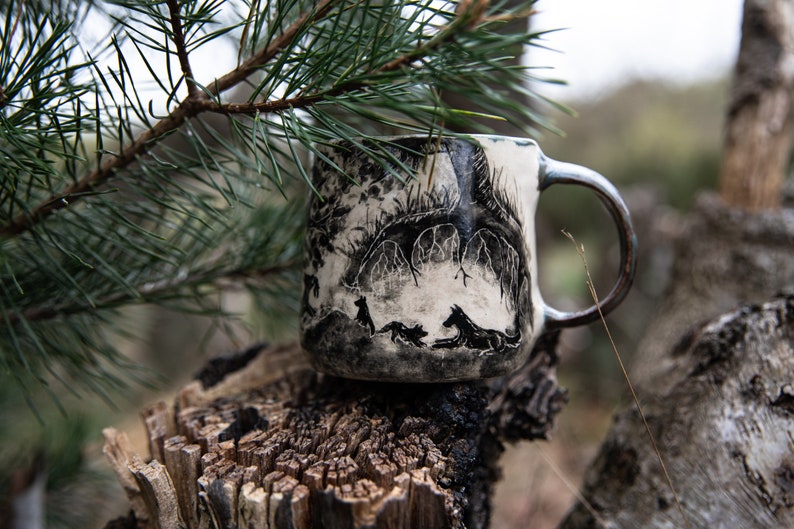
pixel 555 172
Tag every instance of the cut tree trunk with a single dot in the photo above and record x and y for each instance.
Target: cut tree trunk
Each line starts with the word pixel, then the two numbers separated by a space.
pixel 261 447
pixel 723 422
pixel 760 118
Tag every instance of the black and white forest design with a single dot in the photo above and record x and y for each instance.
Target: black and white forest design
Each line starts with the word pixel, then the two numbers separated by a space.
pixel 426 279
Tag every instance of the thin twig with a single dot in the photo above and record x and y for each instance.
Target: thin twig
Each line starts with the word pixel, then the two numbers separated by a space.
pixel 435 157
pixel 244 36
pixel 255 61
pixel 9 39
pixel 181 48
pixel 624 371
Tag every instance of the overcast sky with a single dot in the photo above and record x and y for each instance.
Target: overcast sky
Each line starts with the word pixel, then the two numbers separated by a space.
pixel 608 42
pixel 603 43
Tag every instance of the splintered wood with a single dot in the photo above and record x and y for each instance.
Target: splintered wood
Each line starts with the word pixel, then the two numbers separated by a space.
pixel 252 463
pixel 302 450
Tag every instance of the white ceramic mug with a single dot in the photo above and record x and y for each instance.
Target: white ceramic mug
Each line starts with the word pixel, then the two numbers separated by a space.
pixel 433 277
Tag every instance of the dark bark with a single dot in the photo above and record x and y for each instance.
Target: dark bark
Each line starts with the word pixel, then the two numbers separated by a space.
pixel 265 447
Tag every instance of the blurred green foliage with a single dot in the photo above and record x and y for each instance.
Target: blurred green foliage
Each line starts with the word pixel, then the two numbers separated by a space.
pixel 81 492
pixel 660 145
pixel 649 133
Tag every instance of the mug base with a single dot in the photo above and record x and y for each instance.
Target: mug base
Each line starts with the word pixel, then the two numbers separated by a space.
pixel 409 364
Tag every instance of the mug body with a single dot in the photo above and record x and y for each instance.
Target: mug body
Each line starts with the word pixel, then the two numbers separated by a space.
pixel 428 278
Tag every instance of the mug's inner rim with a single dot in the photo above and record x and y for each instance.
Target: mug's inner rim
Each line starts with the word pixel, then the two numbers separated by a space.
pixel 394 138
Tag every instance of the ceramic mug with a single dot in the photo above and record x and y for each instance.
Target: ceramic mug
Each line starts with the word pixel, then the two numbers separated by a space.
pixel 421 267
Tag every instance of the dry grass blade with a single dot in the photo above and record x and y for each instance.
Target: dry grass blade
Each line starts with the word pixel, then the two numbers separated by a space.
pixel 560 473
pixel 594 295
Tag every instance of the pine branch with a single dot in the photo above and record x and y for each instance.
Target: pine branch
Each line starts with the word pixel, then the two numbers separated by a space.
pixel 198 101
pixel 58 333
pixel 226 280
pixel 103 204
pixel 466 19
pixel 189 108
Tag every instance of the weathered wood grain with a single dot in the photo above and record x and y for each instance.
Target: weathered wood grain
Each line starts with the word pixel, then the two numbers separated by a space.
pixel 723 418
pixel 267 447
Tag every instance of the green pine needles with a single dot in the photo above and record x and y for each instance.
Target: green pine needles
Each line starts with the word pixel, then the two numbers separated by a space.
pixel 125 179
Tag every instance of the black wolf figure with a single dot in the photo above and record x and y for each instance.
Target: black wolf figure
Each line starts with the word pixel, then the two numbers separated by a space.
pixel 363 316
pixel 475 337
pixel 408 335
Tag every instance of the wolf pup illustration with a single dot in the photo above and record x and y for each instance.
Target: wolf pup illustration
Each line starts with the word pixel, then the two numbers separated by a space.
pixel 362 316
pixel 403 333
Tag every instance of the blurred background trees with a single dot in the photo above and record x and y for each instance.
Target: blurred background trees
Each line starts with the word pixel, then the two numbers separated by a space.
pixel 661 144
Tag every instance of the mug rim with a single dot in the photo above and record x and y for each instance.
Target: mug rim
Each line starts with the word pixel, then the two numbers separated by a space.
pixel 518 140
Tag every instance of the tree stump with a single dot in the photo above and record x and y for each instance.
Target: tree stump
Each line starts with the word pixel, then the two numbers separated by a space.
pixel 723 419
pixel 267 447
